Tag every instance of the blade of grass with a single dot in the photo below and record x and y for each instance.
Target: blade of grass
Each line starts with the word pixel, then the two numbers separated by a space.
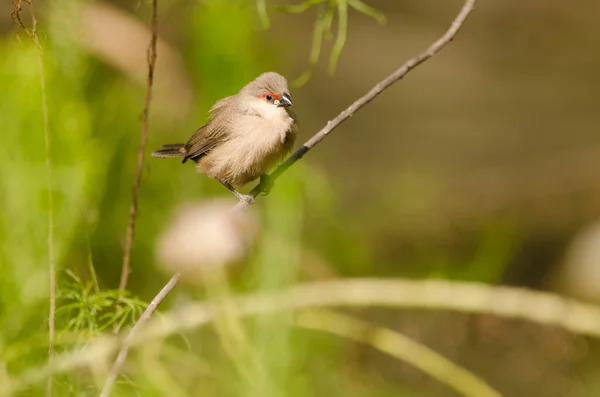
pixel 368 10
pixel 261 7
pixel 399 346
pixel 328 21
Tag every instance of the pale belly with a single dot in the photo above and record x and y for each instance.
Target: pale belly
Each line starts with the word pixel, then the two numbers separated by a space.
pixel 244 159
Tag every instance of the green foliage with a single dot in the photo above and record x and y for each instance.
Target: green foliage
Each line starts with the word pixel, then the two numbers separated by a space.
pixel 326 11
pixel 84 307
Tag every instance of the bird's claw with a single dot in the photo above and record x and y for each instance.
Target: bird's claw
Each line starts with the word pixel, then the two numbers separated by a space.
pixel 245 198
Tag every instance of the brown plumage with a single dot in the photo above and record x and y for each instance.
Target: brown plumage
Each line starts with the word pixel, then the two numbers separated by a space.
pixel 247 133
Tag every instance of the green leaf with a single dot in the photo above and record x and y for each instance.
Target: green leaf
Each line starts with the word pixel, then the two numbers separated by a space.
pixel 340 40
pixel 368 10
pixel 299 8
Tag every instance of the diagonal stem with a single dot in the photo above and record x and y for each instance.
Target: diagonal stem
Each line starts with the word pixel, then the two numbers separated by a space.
pixel 124 350
pixel 383 85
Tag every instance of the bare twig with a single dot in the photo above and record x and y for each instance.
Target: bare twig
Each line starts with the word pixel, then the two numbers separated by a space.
pixel 126 267
pixel 118 364
pixel 369 96
pixel 32 33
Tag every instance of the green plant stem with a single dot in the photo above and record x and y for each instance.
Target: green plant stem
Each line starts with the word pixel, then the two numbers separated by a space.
pixel 340 41
pixel 261 6
pixel 315 49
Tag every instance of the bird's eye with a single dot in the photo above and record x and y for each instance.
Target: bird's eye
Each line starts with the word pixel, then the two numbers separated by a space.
pixel 268 97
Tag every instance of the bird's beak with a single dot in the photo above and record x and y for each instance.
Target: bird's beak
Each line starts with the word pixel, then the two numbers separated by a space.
pixel 285 101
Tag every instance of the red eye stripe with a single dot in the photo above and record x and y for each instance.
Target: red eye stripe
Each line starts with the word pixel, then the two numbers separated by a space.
pixel 273 96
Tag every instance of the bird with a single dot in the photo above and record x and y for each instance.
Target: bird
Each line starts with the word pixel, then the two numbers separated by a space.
pixel 247 134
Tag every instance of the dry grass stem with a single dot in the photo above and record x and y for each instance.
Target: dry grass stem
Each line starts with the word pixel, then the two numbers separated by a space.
pixel 122 356
pixel 152 54
pixel 401 347
pixel 32 33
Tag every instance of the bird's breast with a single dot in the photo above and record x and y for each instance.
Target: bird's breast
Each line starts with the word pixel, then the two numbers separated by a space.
pixel 255 145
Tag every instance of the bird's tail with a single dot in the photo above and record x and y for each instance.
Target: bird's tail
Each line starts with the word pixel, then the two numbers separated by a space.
pixel 169 151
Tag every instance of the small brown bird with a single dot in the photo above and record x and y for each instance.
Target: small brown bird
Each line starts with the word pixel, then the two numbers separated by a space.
pixel 247 134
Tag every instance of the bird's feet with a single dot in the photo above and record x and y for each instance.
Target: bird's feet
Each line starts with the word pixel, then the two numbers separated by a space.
pixel 245 198
pixel 266 184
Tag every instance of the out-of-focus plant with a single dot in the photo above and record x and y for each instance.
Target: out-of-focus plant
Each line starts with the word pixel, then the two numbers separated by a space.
pixel 82 306
pixel 326 12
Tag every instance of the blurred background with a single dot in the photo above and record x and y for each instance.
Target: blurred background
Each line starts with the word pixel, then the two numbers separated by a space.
pixel 483 164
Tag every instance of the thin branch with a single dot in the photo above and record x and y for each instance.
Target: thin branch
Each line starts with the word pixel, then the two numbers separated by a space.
pixel 122 356
pixel 126 267
pixel 32 33
pixel 369 96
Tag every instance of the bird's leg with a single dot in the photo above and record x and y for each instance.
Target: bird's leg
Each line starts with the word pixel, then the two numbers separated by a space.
pixel 266 184
pixel 246 198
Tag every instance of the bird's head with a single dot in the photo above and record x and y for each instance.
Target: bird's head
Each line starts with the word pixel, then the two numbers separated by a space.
pixel 270 88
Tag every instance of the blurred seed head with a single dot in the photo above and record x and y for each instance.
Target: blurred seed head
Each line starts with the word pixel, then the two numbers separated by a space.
pixel 206 236
pixel 579 275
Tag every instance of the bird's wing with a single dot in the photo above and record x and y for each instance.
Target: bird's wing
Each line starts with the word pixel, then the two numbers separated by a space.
pixel 220 107
pixel 211 134
pixel 206 138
